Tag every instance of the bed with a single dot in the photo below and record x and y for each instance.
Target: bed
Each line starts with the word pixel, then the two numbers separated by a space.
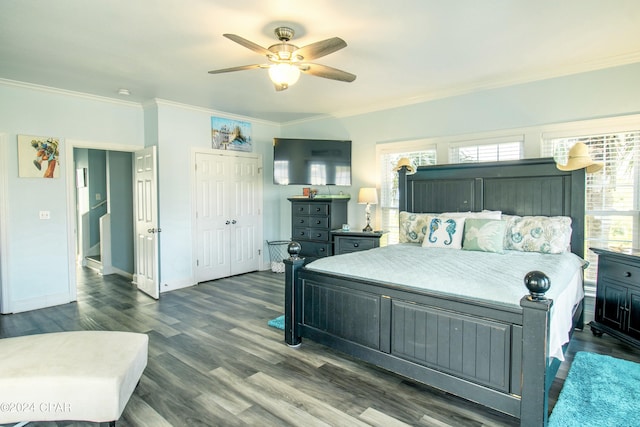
pixel 424 332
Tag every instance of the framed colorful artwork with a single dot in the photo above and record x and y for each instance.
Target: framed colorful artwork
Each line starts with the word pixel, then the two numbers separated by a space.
pixel 227 134
pixel 38 156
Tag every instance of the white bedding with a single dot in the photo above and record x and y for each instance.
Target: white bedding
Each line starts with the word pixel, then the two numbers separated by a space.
pixel 483 276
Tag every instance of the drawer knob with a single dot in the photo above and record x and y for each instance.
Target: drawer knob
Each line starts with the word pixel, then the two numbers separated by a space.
pixel 318 235
pixel 302 221
pixel 627 274
pixel 318 222
pixel 355 245
pixel 321 249
pixel 317 209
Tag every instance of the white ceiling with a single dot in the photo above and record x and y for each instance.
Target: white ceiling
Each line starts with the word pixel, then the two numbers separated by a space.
pixel 402 51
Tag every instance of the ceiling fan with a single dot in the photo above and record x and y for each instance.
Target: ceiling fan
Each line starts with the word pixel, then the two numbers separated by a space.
pixel 286 60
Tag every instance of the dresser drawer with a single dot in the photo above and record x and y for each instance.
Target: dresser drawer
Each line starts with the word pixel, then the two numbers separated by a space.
pixel 310 209
pixel 310 233
pixel 348 244
pixel 300 209
pixel 311 221
pixel 620 272
pixel 315 249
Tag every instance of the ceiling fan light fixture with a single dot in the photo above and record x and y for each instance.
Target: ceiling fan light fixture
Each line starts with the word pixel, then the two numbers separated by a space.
pixel 284 74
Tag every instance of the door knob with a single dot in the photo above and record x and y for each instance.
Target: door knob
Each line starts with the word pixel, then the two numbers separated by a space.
pixel 227 222
pixel 234 221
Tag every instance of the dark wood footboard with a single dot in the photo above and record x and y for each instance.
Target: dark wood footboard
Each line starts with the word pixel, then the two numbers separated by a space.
pixel 490 355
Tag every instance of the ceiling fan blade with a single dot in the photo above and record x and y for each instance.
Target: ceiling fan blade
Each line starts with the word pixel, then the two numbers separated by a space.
pixel 248 44
pixel 327 72
pixel 240 68
pixel 319 49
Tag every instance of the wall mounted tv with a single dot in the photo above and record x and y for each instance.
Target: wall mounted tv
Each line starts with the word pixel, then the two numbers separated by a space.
pixel 311 162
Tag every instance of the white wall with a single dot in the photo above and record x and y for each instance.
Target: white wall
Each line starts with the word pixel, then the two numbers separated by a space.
pixel 597 94
pixel 37 260
pixel 181 129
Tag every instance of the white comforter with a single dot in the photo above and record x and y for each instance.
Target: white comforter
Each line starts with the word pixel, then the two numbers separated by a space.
pixel 482 276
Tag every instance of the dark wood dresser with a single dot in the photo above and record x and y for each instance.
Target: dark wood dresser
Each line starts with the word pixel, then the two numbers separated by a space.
pixel 312 221
pixel 617 309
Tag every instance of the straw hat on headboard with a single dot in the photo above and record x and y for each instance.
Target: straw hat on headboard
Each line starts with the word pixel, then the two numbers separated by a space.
pixel 579 158
pixel 404 161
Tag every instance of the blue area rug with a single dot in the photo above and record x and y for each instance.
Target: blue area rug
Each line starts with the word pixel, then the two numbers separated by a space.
pixel 599 391
pixel 277 323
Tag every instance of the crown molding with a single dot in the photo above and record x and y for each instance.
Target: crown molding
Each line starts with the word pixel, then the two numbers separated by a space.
pixel 168 103
pixel 58 91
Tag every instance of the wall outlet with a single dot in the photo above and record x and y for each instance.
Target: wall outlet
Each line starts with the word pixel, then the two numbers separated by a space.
pixel 45 214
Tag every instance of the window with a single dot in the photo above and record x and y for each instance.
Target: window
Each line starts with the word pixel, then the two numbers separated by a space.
pixel 612 206
pixel 486 152
pixel 389 201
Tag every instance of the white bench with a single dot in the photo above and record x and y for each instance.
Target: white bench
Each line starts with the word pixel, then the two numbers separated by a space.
pixel 75 376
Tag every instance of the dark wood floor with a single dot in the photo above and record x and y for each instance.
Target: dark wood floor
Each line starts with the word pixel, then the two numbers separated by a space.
pixel 213 361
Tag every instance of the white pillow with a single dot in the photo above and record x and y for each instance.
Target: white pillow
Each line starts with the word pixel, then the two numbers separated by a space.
pixel 443 232
pixel 479 215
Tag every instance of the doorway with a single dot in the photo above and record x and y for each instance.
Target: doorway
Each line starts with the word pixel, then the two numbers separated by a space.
pixel 101 199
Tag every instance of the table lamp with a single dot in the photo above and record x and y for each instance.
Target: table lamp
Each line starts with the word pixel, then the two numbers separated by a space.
pixel 370 197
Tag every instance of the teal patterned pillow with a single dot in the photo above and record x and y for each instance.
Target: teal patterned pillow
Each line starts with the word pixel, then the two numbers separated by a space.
pixel 485 235
pixel 443 232
pixel 545 234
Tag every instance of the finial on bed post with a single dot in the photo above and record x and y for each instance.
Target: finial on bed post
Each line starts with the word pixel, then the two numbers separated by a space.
pixel 292 295
pixel 294 249
pixel 536 309
pixel 538 284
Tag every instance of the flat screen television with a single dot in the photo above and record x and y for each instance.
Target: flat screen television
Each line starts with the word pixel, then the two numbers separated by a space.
pixel 311 162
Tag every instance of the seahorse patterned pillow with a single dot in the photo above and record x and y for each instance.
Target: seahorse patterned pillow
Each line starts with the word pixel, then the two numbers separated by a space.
pixel 545 234
pixel 484 235
pixel 443 232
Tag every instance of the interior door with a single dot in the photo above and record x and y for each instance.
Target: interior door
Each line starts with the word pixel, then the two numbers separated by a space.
pixel 227 215
pixel 213 221
pixel 244 213
pixel 146 213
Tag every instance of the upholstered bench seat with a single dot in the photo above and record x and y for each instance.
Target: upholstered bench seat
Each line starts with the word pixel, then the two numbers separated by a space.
pixel 79 376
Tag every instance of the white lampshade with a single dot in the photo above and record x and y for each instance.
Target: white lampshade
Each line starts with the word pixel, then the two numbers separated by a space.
pixel 368 195
pixel 284 74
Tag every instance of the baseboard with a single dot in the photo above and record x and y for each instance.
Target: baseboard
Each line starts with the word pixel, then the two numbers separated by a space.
pixel 40 302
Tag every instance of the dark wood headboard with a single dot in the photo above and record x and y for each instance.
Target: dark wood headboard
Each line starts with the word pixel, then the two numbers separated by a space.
pixel 522 187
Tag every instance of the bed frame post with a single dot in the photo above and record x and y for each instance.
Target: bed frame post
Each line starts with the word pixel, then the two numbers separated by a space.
pixel 292 296
pixel 402 189
pixel 536 310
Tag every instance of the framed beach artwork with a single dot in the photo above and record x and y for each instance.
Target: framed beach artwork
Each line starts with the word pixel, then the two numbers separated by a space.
pixel 38 156
pixel 227 134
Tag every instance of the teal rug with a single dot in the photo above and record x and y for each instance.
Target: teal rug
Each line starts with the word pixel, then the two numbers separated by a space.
pixel 277 323
pixel 599 391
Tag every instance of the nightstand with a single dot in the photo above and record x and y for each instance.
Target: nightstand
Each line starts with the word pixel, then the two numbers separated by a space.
pixel 618 295
pixel 354 241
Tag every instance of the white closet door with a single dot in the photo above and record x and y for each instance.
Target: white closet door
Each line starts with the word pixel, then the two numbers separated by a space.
pixel 244 211
pixel 227 215
pixel 212 215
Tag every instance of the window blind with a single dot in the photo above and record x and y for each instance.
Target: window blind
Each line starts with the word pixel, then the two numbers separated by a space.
pixel 611 207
